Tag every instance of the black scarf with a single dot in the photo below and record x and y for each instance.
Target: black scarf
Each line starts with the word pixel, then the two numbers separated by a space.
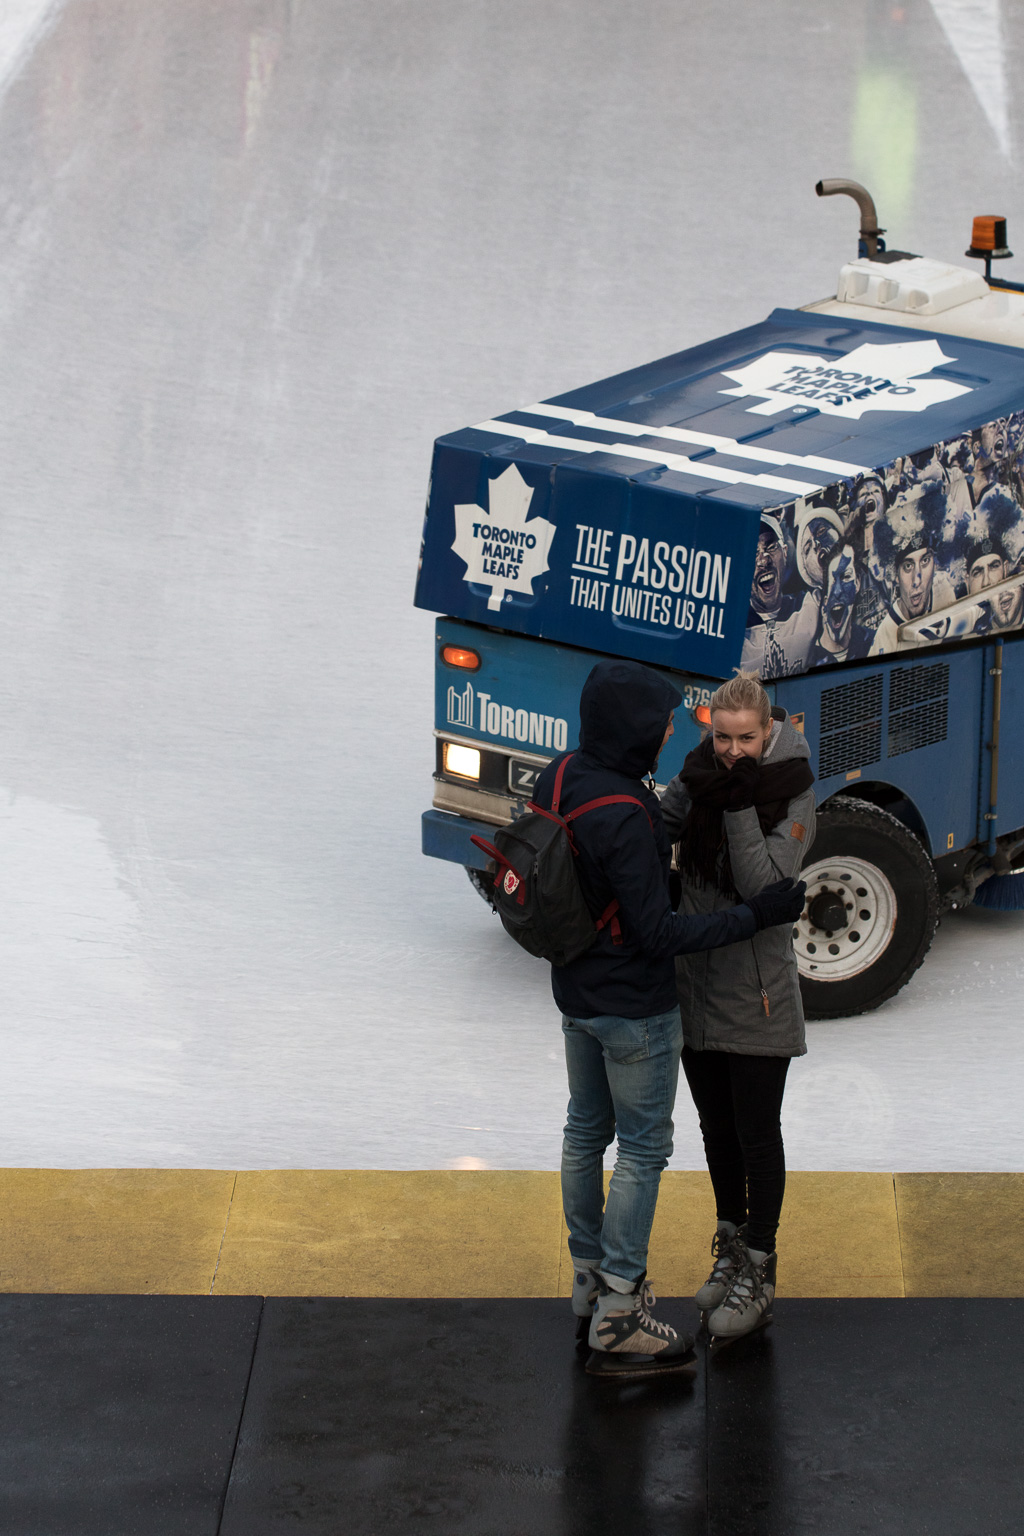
pixel 703 849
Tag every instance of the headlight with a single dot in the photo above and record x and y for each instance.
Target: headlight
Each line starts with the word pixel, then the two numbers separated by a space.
pixel 465 761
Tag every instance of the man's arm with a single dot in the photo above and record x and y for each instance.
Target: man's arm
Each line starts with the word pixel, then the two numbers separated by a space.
pixel 631 864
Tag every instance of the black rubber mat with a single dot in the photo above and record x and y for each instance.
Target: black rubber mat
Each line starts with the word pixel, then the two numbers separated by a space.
pixel 468 1418
pixel 849 1417
pixel 119 1417
pixel 119 1414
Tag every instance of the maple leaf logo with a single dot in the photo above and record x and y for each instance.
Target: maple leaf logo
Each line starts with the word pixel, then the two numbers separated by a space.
pixel 870 378
pixel 499 546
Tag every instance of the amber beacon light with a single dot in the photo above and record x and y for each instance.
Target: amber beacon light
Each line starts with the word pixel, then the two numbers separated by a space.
pixel 458 656
pixel 988 240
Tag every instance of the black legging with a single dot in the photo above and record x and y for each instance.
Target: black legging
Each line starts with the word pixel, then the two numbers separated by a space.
pixel 739 1101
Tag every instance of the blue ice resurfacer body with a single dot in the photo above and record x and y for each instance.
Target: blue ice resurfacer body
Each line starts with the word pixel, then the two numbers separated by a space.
pixel 833 499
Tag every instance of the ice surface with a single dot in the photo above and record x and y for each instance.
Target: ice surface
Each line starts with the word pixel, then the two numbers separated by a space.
pixel 254 257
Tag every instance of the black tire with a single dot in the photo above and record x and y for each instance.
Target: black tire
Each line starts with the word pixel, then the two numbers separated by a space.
pixel 482 881
pixel 848 828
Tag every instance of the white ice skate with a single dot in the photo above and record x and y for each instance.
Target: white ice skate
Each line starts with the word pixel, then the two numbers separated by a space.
pixel 584 1295
pixel 748 1304
pixel 728 1253
pixel 626 1344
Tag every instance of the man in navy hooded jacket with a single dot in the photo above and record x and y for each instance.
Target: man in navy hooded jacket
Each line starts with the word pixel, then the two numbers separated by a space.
pixel 621 1024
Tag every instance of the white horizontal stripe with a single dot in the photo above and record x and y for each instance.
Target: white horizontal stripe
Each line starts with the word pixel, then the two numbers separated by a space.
pixel 729 445
pixel 678 461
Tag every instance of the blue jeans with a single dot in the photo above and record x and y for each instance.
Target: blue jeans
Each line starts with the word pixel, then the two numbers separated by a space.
pixel 622 1083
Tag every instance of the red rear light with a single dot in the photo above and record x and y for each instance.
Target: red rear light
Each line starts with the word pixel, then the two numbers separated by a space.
pixel 702 714
pixel 458 656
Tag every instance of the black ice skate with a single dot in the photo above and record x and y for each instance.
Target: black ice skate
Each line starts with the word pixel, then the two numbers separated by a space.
pixel 584 1295
pixel 728 1252
pixel 628 1345
pixel 748 1306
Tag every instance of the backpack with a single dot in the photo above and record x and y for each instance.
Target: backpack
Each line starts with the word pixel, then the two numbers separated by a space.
pixel 537 892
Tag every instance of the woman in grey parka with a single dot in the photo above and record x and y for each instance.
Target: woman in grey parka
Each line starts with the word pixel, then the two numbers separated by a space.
pixel 742 814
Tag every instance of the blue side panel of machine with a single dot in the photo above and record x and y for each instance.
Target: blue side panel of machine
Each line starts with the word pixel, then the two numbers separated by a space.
pixel 918 724
pixel 911 724
pixel 1011 739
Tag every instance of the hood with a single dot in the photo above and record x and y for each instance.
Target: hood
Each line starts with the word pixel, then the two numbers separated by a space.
pixel 786 740
pixel 624 710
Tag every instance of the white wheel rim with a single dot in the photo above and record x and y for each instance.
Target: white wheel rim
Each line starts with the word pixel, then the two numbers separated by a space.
pixel 870 904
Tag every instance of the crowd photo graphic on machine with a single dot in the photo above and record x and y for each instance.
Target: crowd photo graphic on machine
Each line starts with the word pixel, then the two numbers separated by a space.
pixel 922 542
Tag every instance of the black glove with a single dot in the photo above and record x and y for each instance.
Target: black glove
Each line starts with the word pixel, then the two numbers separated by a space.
pixel 782 902
pixel 742 783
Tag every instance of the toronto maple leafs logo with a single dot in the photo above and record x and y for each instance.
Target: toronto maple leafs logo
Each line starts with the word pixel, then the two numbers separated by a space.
pixel 870 378
pixel 501 549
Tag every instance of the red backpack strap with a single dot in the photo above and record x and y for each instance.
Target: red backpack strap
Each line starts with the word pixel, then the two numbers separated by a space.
pixel 610 918
pixel 563 821
pixel 557 793
pixel 489 849
pixel 593 805
pixel 502 863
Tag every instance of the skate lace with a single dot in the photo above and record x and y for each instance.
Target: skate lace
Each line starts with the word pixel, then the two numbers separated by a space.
pixel 647 1301
pixel 747 1287
pixel 725 1252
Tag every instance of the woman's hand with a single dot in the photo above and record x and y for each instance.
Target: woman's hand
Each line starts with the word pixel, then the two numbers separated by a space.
pixel 742 783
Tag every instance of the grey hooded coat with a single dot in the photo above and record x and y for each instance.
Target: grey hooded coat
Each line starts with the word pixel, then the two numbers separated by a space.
pixel 720 991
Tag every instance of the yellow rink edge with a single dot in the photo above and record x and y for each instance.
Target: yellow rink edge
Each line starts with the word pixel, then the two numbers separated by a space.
pixel 480 1233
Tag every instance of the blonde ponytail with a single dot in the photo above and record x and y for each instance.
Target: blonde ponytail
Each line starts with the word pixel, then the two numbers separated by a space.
pixel 743 691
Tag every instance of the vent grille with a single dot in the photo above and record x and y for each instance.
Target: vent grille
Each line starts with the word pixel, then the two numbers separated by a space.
pixel 851 726
pixel 918 707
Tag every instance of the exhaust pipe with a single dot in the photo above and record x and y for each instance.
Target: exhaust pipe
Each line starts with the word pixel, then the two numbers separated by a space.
pixel 869 228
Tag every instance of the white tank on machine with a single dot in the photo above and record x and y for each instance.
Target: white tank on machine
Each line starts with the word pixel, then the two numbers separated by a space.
pixel 921 292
